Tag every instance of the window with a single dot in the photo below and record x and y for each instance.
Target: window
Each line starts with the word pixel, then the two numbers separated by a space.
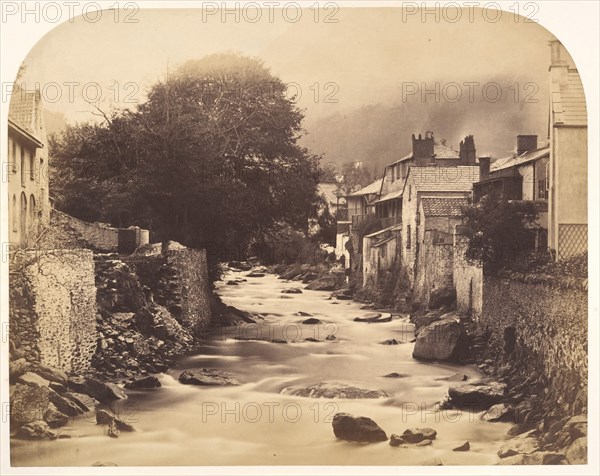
pixel 33 231
pixel 23 219
pixel 31 166
pixel 408 237
pixel 41 172
pixel 15 216
pixel 13 157
pixel 409 193
pixel 22 166
pixel 542 192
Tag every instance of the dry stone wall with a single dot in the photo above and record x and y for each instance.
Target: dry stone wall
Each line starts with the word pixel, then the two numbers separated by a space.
pixel 178 280
pixel 53 308
pixel 540 328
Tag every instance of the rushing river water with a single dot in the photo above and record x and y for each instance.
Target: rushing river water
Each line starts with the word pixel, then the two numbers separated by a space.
pixel 255 423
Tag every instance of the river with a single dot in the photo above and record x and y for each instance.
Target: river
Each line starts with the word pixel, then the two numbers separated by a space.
pixel 255 423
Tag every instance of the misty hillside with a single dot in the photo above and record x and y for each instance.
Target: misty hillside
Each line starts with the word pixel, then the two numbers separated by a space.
pixel 380 134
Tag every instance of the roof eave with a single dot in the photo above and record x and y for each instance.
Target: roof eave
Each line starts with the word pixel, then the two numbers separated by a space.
pixel 25 134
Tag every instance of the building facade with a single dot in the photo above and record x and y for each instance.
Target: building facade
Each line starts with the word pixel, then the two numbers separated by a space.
pixel 433 181
pixel 567 205
pixel 28 196
pixel 426 152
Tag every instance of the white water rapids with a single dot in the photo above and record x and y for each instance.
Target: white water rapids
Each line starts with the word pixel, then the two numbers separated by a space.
pixel 255 424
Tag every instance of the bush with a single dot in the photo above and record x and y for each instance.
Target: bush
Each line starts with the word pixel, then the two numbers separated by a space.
pixel 500 232
pixel 369 225
pixel 284 245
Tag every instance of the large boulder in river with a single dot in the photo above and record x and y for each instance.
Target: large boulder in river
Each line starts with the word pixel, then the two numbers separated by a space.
pixel 351 428
pixel 442 340
pixel 423 320
pixel 374 317
pixel 333 390
pixel 143 382
pixel 102 391
pixel 37 430
pixel 444 296
pixel 481 394
pixel 324 283
pixel 207 377
pixel 51 374
pixel 28 403
pixel 292 291
pixel 523 444
pixel 417 435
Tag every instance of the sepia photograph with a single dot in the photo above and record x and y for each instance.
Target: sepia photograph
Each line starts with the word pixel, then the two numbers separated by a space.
pixel 299 237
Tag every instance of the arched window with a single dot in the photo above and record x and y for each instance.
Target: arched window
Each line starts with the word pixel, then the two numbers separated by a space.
pixel 15 214
pixel 33 221
pixel 23 167
pixel 23 217
pixel 41 172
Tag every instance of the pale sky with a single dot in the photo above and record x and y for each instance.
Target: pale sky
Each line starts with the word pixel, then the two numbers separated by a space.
pixel 368 55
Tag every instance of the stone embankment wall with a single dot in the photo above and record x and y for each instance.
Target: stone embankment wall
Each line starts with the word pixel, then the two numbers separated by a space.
pixel 97 236
pixel 153 305
pixel 539 325
pixel 434 267
pixel 71 232
pixel 53 308
pixel 468 281
pixel 178 280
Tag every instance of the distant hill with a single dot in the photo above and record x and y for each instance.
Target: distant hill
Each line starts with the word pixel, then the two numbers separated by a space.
pixel 380 134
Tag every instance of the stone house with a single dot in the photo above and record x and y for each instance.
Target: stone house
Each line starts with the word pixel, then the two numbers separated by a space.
pixel 362 202
pixel 28 198
pixel 381 254
pixel 426 152
pixel 567 198
pixel 520 176
pixel 429 181
pixel 359 205
pixel 437 218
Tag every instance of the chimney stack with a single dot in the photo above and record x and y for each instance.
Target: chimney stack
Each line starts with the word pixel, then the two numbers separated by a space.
pixel 526 143
pixel 423 148
pixel 560 61
pixel 467 151
pixel 484 168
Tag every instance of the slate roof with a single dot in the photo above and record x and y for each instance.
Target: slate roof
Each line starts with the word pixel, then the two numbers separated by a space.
pixel 373 187
pixel 390 196
pixel 514 160
pixel 568 101
pixel 443 206
pixel 26 111
pixel 328 190
pixel 458 178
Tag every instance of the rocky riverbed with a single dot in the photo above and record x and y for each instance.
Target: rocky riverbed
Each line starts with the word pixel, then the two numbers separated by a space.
pixel 294 376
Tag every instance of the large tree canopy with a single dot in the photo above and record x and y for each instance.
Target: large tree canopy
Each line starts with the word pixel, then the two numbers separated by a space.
pixel 210 159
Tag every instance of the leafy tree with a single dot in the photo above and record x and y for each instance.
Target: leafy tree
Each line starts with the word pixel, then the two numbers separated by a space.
pixel 354 177
pixel 210 159
pixel 499 231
